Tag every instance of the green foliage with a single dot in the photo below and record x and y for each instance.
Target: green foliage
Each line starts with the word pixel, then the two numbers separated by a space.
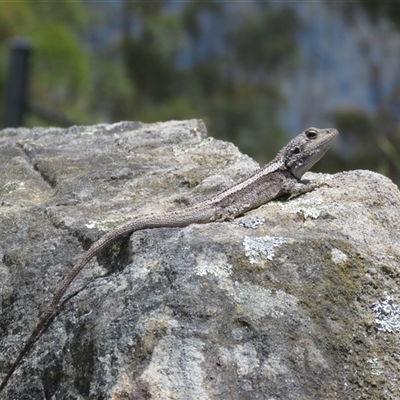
pixel 355 123
pixel 376 136
pixel 152 75
pixel 196 62
pixel 60 71
pixel 265 39
pixel 112 93
pixel 384 8
pixel 366 145
pixel 58 63
pixel 233 74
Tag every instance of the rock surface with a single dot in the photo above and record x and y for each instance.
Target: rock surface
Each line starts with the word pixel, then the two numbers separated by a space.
pixel 298 299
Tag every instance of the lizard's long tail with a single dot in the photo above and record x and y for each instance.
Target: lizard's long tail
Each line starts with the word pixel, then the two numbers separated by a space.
pixel 174 219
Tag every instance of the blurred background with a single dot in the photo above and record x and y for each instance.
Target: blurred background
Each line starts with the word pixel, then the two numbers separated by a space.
pixel 257 72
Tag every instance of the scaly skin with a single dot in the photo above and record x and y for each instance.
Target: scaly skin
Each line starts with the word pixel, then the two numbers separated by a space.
pixel 280 176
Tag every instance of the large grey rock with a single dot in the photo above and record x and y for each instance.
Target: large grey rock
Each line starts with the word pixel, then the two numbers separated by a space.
pixel 298 299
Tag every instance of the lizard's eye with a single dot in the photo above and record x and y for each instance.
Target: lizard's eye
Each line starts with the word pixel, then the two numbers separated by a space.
pixel 311 133
pixel 296 150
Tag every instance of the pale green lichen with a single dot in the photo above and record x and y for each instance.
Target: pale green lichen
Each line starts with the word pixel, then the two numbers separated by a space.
pixel 261 302
pixel 216 264
pixel 89 130
pixel 310 208
pixel 387 315
pixel 106 225
pixel 185 148
pixel 251 222
pixel 376 366
pixel 11 186
pixel 338 257
pixel 245 356
pixel 254 246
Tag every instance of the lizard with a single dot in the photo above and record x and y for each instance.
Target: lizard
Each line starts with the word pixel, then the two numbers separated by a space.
pixel 280 176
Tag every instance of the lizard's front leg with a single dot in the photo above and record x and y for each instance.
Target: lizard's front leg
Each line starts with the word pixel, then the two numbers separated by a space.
pixel 295 187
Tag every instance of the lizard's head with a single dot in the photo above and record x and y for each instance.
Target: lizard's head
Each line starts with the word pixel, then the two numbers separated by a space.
pixel 306 149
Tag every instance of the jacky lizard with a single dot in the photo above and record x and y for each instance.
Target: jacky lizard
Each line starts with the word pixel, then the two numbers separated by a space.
pixel 280 176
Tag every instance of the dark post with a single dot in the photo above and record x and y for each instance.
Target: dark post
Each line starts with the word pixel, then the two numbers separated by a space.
pixel 16 103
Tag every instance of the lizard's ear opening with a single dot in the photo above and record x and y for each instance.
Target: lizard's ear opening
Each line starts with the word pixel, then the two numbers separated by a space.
pixel 296 150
